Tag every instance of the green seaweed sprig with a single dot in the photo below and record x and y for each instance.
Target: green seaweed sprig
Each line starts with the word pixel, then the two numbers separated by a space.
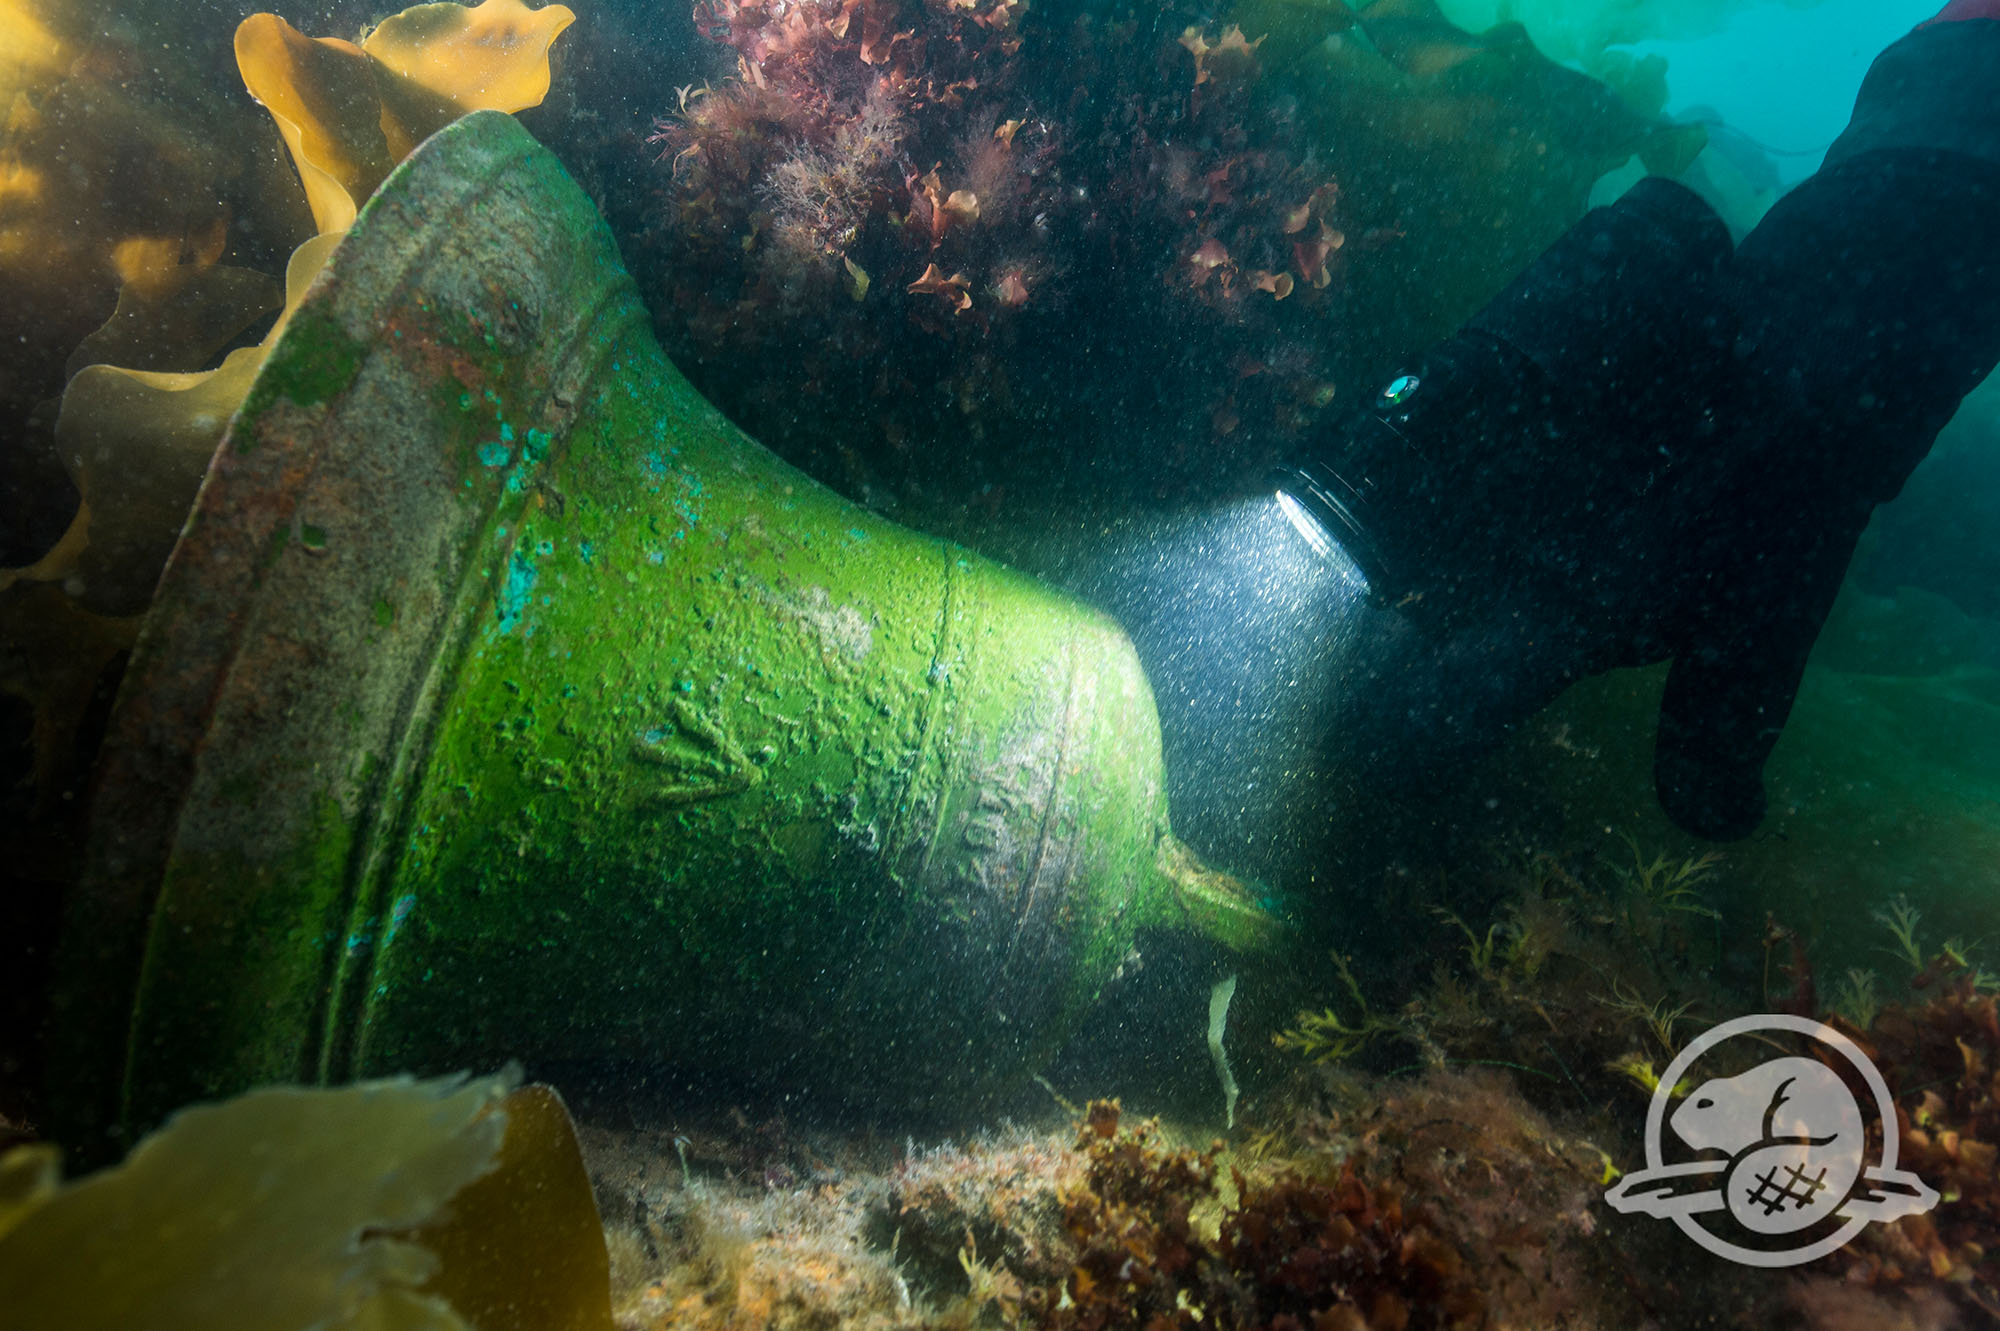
pixel 1657 1018
pixel 1856 999
pixel 1671 884
pixel 1901 920
pixel 1327 1036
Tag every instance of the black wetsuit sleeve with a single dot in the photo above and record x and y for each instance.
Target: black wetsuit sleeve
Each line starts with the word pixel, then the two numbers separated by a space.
pixel 1868 304
pixel 1728 698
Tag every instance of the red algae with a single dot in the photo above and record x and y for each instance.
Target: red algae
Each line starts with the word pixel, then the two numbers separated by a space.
pixel 1433 1202
pixel 940 220
pixel 1941 1059
pixel 931 248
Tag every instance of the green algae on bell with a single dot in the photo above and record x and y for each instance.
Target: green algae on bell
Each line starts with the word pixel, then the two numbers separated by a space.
pixel 666 754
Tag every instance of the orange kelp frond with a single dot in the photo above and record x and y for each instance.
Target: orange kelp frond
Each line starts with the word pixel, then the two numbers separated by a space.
pixel 322 93
pixel 491 58
pixel 350 113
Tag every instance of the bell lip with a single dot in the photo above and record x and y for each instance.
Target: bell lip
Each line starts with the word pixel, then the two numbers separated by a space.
pixel 202 638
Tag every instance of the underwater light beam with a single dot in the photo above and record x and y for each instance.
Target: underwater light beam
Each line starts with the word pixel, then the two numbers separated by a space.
pixel 1249 638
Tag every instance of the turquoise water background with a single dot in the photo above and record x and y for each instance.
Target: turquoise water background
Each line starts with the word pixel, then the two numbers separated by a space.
pixel 1785 76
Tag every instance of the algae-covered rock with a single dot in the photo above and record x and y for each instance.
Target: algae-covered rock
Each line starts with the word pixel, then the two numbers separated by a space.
pixel 386 1205
pixel 1459 157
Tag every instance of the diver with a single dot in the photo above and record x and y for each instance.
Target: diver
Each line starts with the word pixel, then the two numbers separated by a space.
pixel 1655 445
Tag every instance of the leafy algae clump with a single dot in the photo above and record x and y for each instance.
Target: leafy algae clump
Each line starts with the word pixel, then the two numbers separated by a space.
pixel 393 1204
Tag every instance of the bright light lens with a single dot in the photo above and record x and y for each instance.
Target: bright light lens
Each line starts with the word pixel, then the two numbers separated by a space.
pixel 1306 524
pixel 1321 540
